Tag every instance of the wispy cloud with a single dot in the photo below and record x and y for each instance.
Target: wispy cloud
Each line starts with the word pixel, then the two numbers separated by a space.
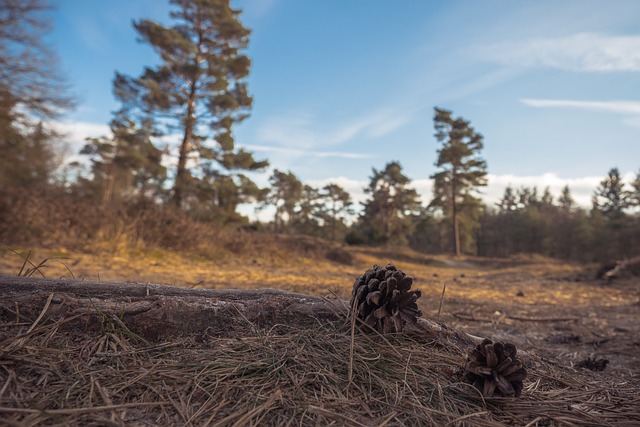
pixel 303 131
pixel 293 152
pixel 590 52
pixel 257 9
pixel 618 107
pixel 625 107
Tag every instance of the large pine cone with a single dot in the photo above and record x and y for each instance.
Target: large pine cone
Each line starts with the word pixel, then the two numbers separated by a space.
pixel 494 370
pixel 383 301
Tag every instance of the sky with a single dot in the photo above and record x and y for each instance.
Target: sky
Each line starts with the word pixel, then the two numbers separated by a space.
pixel 344 86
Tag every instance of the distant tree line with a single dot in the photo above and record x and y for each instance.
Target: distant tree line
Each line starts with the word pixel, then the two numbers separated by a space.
pixel 197 93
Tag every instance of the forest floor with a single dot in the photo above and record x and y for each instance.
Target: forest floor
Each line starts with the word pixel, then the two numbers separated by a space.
pixel 555 309
pixel 578 337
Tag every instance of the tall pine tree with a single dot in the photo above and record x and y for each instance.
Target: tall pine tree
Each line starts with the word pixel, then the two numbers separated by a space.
pixel 198 90
pixel 461 172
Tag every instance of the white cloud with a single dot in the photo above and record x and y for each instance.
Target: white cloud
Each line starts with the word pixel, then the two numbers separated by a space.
pixel 624 107
pixel 353 186
pixel 301 131
pixel 593 52
pixel 619 107
pixel 75 134
pixel 581 188
pixel 293 152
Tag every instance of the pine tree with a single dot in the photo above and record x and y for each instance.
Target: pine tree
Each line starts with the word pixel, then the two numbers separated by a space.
pixel 32 93
pixel 286 190
pixel 547 199
pixel 610 197
pixel 126 163
pixel 634 194
pixel 509 201
pixel 566 200
pixel 199 89
pixel 336 206
pixel 387 213
pixel 462 171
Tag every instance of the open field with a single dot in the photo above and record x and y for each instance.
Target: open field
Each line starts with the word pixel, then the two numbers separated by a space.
pixel 554 311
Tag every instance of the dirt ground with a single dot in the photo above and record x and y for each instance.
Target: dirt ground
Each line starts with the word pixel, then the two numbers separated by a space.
pixel 551 308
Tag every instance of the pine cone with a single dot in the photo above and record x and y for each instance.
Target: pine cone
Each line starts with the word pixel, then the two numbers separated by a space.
pixel 382 299
pixel 494 370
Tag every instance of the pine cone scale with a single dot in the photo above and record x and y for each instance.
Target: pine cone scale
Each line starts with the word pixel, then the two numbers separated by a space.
pixel 493 369
pixel 382 299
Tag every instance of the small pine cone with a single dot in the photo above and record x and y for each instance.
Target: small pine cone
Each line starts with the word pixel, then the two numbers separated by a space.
pixel 382 299
pixel 494 370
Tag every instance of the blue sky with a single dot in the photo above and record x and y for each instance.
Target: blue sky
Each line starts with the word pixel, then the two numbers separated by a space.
pixel 342 86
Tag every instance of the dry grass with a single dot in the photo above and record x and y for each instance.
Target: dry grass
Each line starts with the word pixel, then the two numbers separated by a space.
pixel 52 376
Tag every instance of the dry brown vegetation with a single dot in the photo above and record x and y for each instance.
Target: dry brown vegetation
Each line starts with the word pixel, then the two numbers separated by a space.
pixel 556 312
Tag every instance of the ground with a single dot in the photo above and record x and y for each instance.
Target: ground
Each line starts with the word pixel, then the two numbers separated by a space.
pixel 555 309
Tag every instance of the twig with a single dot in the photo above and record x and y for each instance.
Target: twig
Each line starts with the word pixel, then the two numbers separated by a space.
pixel 351 345
pixel 444 288
pixel 44 310
pixel 543 319
pixel 72 411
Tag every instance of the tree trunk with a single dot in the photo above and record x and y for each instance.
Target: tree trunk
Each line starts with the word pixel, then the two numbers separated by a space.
pixel 456 234
pixel 185 146
pixel 454 216
pixel 159 313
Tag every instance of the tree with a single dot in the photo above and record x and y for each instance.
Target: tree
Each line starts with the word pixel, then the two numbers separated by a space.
pixel 29 76
pixel 547 199
pixel 610 196
pixel 199 90
pixel 509 201
pixel 286 190
pixel 32 92
pixel 462 171
pixel 387 213
pixel 126 162
pixel 634 194
pixel 566 200
pixel 307 213
pixel 337 205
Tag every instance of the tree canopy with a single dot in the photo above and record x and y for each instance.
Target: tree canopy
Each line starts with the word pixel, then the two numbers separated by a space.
pixel 461 172
pixel 386 215
pixel 32 92
pixel 198 90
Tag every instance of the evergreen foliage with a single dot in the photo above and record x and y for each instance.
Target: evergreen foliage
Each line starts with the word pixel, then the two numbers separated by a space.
pixel 286 192
pixel 126 164
pixel 335 207
pixel 461 172
pixel 200 91
pixel 610 197
pixel 32 92
pixel 387 214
